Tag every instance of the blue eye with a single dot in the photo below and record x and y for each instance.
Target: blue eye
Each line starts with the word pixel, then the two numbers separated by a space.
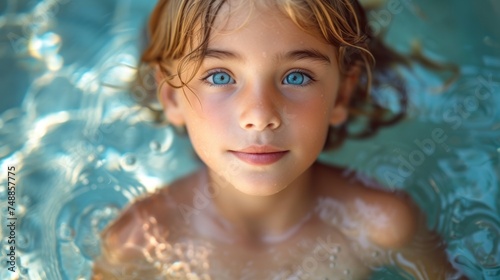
pixel 219 78
pixel 297 78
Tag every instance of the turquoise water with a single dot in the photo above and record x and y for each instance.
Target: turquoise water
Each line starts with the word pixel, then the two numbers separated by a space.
pixel 83 149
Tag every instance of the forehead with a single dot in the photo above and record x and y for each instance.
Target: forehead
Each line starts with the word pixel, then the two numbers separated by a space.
pixel 260 24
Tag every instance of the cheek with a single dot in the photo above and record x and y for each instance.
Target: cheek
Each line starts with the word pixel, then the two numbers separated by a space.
pixel 200 111
pixel 312 121
pixel 316 112
pixel 214 117
pixel 206 123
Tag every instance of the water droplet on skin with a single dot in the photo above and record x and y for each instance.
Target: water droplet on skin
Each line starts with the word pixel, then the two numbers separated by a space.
pixel 347 272
pixel 333 257
pixel 336 250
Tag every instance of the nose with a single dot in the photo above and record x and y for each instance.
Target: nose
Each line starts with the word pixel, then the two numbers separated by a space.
pixel 259 108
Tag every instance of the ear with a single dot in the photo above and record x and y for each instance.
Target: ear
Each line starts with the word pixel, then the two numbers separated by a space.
pixel 168 96
pixel 347 87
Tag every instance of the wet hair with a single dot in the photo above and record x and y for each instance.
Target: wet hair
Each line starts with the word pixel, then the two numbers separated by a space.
pixel 180 30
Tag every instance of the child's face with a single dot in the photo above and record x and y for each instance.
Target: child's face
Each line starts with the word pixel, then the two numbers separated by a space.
pixel 264 82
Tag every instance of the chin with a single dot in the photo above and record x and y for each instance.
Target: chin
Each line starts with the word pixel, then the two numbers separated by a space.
pixel 257 187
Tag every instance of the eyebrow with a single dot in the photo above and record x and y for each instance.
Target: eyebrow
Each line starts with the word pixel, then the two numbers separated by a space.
pixel 310 54
pixel 221 54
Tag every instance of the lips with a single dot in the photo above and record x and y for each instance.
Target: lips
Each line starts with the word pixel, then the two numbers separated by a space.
pixel 260 155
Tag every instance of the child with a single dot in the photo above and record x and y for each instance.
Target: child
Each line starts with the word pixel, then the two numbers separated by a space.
pixel 260 87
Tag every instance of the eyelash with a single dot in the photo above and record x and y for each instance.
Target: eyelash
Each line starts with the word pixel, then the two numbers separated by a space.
pixel 211 73
pixel 216 71
pixel 303 72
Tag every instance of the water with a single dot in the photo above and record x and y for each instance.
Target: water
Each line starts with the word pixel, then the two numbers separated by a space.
pixel 83 148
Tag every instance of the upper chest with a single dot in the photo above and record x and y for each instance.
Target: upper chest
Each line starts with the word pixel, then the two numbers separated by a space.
pixel 316 251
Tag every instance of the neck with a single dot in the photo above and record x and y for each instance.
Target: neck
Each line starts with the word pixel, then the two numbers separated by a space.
pixel 266 218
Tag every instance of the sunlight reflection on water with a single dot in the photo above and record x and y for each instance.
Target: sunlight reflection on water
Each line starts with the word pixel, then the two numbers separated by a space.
pixel 84 148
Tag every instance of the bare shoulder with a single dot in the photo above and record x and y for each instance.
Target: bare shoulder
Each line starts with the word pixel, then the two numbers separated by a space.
pixel 156 213
pixel 125 237
pixel 145 223
pixel 389 219
pixel 392 222
pixel 124 240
